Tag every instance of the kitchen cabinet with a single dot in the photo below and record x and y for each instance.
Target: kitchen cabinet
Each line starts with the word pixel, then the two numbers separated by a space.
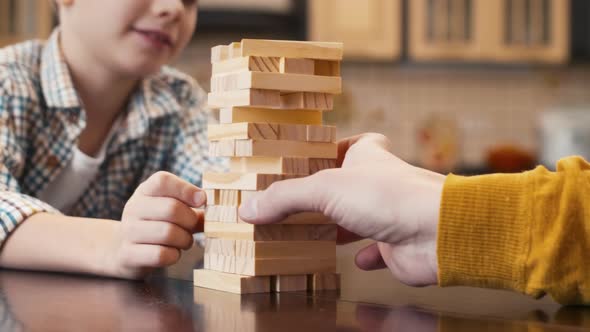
pixel 369 29
pixel 24 19
pixel 505 31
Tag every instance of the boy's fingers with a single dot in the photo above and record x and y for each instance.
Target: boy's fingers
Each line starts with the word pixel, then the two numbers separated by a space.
pixel 149 255
pixel 168 209
pixel 282 199
pixel 160 233
pixel 369 258
pixel 169 185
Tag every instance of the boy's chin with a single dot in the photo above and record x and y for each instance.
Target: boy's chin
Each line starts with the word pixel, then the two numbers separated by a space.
pixel 139 71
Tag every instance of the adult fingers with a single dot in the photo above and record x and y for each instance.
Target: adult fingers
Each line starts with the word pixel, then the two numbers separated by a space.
pixel 369 258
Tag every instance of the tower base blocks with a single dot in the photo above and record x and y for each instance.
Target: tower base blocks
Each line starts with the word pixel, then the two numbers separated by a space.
pixel 271 96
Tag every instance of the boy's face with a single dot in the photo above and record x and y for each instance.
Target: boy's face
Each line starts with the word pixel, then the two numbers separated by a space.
pixel 132 37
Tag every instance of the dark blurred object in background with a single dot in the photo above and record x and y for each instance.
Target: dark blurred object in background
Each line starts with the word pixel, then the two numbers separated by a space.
pixel 509 159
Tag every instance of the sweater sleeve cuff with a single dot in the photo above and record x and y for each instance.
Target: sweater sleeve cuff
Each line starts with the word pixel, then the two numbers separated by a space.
pixel 483 232
pixel 15 208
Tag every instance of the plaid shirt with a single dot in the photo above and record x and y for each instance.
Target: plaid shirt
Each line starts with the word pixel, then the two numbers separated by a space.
pixel 41 117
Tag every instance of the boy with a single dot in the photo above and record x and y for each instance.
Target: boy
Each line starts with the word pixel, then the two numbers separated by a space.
pixel 89 122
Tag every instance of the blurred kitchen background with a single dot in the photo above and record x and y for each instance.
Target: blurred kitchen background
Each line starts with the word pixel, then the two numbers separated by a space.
pixel 466 86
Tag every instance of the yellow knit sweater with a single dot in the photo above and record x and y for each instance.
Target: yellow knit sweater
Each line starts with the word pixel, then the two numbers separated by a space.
pixel 527 232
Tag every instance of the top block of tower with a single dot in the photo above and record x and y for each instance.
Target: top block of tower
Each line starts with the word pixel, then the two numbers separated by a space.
pixel 278 48
pixel 276 74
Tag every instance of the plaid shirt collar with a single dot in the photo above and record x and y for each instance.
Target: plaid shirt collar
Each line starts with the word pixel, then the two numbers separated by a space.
pixel 154 98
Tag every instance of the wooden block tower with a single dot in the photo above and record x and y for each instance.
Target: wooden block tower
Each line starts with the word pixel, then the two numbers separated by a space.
pixel 271 96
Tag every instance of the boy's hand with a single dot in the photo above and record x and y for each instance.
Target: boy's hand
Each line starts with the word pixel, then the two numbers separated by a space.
pixel 375 195
pixel 158 221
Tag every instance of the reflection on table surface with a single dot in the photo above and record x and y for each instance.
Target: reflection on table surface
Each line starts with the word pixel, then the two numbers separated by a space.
pixel 57 302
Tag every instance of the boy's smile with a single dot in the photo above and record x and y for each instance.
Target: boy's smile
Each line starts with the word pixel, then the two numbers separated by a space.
pixel 155 38
pixel 127 38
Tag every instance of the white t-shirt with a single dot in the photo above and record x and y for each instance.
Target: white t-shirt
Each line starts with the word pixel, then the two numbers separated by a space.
pixel 67 188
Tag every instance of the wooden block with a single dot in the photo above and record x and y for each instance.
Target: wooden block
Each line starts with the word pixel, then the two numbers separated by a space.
pixel 327 68
pixel 221 214
pixel 224 214
pixel 222 148
pixel 292 132
pixel 219 53
pixel 318 164
pixel 251 148
pixel 287 283
pixel 212 213
pixel 274 232
pixel 248 97
pixel 323 281
pixel 321 134
pixel 285 249
pixel 297 66
pixel 232 283
pixel 283 266
pixel 270 165
pixel 212 196
pixel 275 81
pixel 255 115
pixel 268 131
pixel 307 100
pixel 306 218
pixel 221 263
pixel 229 197
pixel 242 181
pixel 231 65
pixel 229 214
pixel 292 49
pixel 264 64
pixel 235 50
pixel 225 247
pixel 249 63
pixel 243 130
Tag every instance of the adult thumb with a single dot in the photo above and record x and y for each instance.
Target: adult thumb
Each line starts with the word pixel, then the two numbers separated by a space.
pixel 282 199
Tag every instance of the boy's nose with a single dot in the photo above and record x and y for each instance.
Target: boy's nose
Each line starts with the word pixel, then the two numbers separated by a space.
pixel 168 8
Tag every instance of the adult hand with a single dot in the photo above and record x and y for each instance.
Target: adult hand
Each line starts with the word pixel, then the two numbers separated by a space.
pixel 374 195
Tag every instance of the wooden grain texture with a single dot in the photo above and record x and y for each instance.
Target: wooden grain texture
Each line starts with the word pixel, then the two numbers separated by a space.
pixel 323 281
pixel 212 196
pixel 232 283
pixel 327 68
pixel 222 148
pixel 285 249
pixel 226 247
pixel 242 181
pixel 221 83
pixel 243 98
pixel 283 266
pixel 270 131
pixel 218 262
pixel 270 165
pixel 258 115
pixel 229 214
pixel 296 66
pixel 276 232
pixel 292 49
pixel 321 134
pixel 307 100
pixel 252 148
pixel 286 283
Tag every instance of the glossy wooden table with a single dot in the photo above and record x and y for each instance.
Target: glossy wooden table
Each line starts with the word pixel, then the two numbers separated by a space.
pixel 367 301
